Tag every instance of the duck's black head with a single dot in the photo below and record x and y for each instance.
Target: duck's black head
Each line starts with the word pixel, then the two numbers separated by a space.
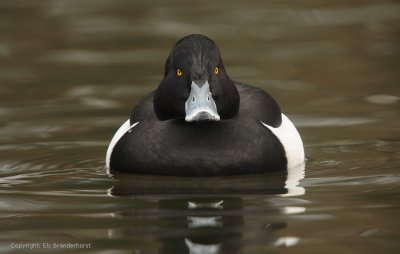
pixel 196 86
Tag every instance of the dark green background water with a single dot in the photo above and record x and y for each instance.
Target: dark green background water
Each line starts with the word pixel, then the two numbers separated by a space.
pixel 71 71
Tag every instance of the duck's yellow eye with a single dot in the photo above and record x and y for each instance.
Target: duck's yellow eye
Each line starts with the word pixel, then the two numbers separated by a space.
pixel 178 72
pixel 216 70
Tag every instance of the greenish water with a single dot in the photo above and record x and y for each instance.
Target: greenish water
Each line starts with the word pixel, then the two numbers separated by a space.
pixel 71 71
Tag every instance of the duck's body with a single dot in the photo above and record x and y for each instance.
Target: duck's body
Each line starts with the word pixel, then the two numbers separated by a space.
pixel 241 133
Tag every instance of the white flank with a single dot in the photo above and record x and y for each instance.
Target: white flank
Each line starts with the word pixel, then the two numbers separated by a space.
pixel 291 141
pixel 120 132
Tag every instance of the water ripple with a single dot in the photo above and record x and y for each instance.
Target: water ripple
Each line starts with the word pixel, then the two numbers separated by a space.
pixel 355 180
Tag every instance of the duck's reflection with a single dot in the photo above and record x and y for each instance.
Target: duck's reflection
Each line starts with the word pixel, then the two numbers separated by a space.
pixel 208 215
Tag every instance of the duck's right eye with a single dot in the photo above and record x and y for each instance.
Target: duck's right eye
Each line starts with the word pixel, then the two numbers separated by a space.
pixel 178 72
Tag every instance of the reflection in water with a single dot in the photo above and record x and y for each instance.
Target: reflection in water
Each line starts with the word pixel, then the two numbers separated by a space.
pixel 208 215
pixel 292 182
pixel 201 248
pixel 283 183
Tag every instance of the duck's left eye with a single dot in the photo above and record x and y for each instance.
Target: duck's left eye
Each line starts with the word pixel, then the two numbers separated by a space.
pixel 178 72
pixel 216 70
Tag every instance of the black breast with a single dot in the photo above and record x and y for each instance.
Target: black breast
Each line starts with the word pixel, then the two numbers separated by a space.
pixel 241 145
